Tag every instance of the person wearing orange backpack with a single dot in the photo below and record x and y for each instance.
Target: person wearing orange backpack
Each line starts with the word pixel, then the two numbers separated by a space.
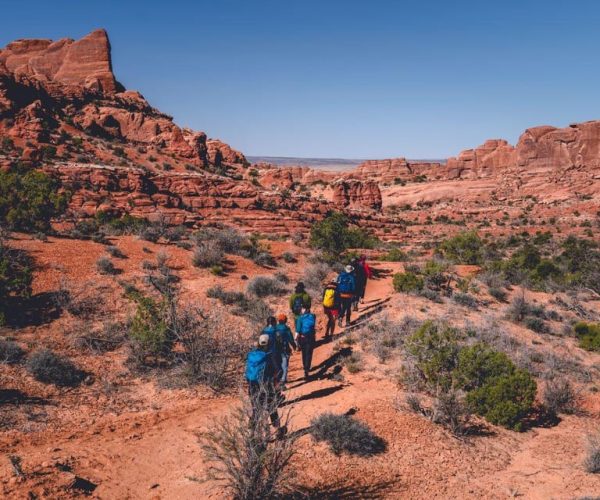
pixel 331 307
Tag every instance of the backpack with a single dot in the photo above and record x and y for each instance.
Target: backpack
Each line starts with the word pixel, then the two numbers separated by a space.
pixel 256 362
pixel 329 298
pixel 345 283
pixel 298 304
pixel 307 324
pixel 278 340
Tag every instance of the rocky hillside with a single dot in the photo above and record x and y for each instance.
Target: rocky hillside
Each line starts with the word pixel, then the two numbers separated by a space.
pixel 63 110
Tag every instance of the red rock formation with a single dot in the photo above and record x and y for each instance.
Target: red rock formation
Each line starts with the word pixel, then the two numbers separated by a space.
pixel 85 63
pixel 356 194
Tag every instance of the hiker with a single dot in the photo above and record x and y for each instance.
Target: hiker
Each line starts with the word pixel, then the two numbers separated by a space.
pixel 299 300
pixel 360 282
pixel 368 275
pixel 287 344
pixel 262 383
pixel 274 346
pixel 346 287
pixel 331 307
pixel 305 338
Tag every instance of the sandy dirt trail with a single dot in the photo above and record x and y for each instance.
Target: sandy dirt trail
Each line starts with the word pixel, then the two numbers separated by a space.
pixel 156 455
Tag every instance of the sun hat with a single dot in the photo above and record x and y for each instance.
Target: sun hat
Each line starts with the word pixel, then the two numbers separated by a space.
pixel 349 268
pixel 263 340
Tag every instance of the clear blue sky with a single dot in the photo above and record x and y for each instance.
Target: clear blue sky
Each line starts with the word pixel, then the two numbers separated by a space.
pixel 344 78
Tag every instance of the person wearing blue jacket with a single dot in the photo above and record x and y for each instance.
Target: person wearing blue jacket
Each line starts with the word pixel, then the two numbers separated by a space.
pixel 346 289
pixel 286 345
pixel 262 383
pixel 305 337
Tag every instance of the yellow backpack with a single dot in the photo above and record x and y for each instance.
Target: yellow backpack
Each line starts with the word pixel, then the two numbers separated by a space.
pixel 329 297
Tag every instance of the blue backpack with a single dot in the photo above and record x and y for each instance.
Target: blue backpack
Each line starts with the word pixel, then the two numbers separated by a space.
pixel 256 363
pixel 345 283
pixel 307 324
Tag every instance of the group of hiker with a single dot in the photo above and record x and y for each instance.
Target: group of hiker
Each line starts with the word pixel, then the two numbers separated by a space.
pixel 267 364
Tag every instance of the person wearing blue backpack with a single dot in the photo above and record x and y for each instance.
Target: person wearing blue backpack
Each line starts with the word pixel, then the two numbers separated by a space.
pixel 262 383
pixel 305 337
pixel 346 289
pixel 275 345
pixel 286 345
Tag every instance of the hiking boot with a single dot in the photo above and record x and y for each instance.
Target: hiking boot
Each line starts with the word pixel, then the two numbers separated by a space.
pixel 355 307
pixel 340 322
pixel 306 375
pixel 347 324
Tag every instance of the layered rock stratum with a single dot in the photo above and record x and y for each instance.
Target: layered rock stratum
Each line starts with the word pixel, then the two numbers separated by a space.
pixel 63 110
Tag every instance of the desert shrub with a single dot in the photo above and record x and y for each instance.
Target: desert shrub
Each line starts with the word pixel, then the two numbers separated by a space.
pixel 560 397
pixel 110 336
pixel 333 235
pixel 498 293
pixel 255 309
pixel 105 266
pixel 592 459
pixel 50 368
pixel 151 232
pixel 115 252
pixel 345 434
pixel 505 400
pixel 10 352
pixel 450 410
pixel 230 240
pixel 15 275
pixel 149 328
pixel 29 199
pixel 288 257
pixel 264 286
pixel 208 254
pixel 315 275
pixel 465 299
pixel 281 277
pixel 264 259
pixel 478 364
pixel 407 282
pixel 464 248
pixel 127 224
pixel 588 335
pixel 217 270
pixel 536 324
pixel 210 350
pixel 384 336
pixel 354 362
pixel 395 254
pixel 243 454
pixel 434 348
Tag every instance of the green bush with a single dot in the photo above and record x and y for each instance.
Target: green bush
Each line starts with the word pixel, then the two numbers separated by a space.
pixel 15 275
pixel 588 335
pixel 464 248
pixel 394 255
pixel 149 328
pixel 29 199
pixel 434 347
pixel 407 282
pixel 478 364
pixel 505 400
pixel 333 235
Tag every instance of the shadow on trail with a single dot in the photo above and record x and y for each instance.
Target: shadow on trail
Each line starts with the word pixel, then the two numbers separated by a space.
pixel 16 397
pixel 320 371
pixel 343 491
pixel 319 393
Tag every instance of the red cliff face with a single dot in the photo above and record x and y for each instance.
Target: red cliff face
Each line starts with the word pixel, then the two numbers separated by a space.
pixel 85 63
pixel 116 152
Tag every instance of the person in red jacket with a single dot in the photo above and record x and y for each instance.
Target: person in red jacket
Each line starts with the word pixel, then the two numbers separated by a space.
pixel 368 275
